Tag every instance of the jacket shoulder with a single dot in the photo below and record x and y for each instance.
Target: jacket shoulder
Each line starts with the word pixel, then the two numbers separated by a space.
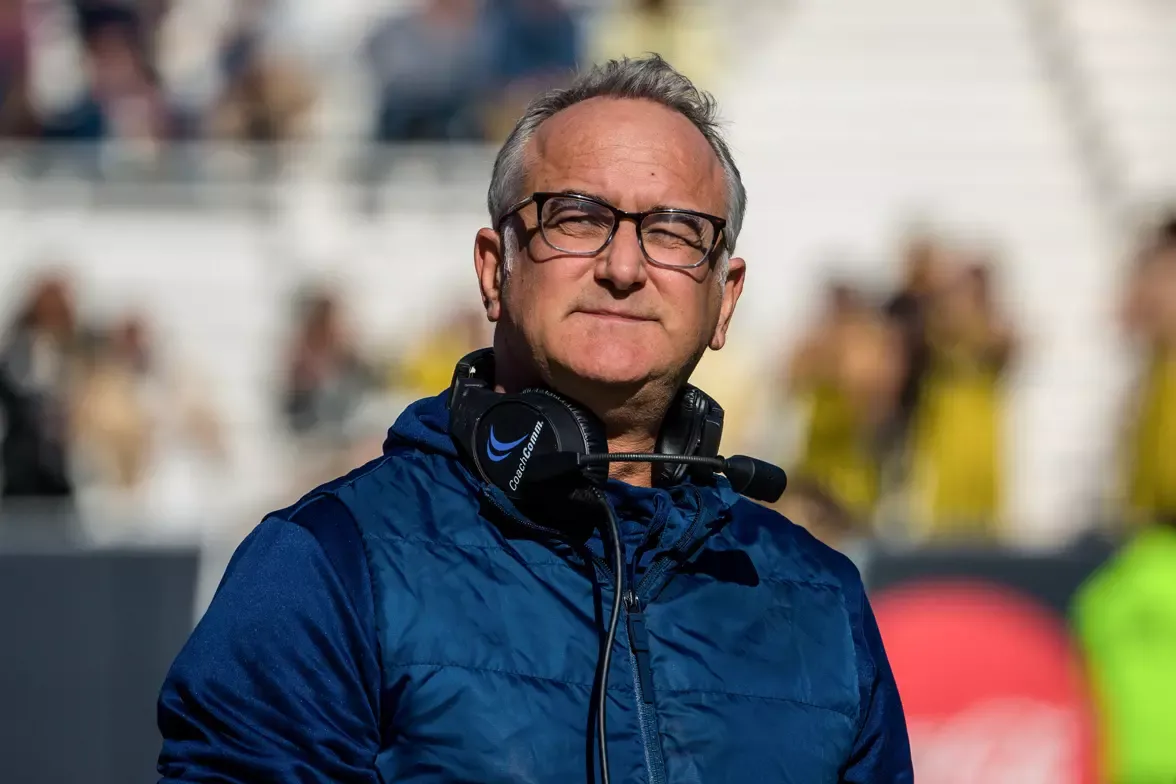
pixel 789 551
pixel 405 492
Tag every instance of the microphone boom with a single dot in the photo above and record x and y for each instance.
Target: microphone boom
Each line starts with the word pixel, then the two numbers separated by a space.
pixel 749 476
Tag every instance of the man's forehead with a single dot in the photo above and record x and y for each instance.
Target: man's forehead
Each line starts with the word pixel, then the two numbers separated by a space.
pixel 624 145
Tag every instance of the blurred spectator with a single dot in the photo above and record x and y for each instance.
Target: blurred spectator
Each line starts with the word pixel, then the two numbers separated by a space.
pixel 111 424
pixel 145 432
pixel 268 101
pixel 37 363
pixel 431 67
pixel 537 47
pixel 123 99
pixel 16 114
pixel 956 435
pixel 267 98
pixel 847 371
pixel 908 308
pixel 730 377
pixel 329 394
pixel 427 368
pixel 145 15
pixel 327 380
pixel 688 34
pixel 1150 315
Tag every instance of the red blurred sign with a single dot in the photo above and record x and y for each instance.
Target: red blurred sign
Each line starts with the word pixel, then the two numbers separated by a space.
pixel 991 684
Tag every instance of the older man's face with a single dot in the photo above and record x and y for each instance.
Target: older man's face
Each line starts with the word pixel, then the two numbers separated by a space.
pixel 614 318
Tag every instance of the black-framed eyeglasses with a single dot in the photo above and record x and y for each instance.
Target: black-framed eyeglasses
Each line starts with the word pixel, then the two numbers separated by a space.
pixel 584 225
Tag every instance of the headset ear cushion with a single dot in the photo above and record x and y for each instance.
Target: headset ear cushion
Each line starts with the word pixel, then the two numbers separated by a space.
pixel 595 441
pixel 693 426
pixel 678 435
pixel 577 429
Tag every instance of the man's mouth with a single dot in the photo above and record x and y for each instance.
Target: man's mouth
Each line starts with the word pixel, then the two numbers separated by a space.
pixel 615 315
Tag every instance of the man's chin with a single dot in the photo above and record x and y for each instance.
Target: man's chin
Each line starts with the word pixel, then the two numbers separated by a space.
pixel 586 372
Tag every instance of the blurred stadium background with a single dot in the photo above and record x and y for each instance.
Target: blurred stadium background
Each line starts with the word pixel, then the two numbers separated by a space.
pixel 236 240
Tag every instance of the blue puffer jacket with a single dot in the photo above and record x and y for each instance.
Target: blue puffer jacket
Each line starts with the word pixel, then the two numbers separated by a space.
pixel 404 624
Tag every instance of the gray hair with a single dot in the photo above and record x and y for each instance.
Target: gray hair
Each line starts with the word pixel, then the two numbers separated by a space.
pixel 650 78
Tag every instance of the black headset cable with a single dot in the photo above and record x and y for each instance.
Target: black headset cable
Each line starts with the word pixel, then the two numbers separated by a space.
pixel 602 666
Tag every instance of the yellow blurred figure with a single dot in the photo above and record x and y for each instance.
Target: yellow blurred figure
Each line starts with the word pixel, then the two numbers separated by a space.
pixel 836 452
pixel 427 369
pixel 1151 441
pixel 1152 482
pixel 846 374
pixel 726 376
pixel 956 435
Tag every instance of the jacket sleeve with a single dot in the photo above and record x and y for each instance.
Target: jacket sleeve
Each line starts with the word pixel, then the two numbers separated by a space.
pixel 882 752
pixel 279 681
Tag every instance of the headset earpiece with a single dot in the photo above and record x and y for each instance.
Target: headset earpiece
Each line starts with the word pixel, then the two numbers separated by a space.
pixel 518 430
pixel 693 426
pixel 502 434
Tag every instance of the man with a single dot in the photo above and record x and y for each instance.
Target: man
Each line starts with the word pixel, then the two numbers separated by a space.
pixel 408 623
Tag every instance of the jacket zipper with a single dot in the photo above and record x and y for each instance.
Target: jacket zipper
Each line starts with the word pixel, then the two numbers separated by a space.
pixel 639 654
pixel 655 766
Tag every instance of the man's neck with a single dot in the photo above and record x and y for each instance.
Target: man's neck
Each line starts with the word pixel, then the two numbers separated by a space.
pixel 637 474
pixel 632 424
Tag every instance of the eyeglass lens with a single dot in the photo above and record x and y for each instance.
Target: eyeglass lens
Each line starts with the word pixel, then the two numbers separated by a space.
pixel 576 225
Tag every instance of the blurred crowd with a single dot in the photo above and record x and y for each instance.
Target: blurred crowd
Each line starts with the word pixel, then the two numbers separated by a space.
pixel 95 417
pixel 96 413
pixel 902 393
pixel 338 399
pixel 91 408
pixel 902 396
pixel 148 72
pixel 904 400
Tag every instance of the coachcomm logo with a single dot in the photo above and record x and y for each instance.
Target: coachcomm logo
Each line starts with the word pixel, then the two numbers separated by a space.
pixel 497 451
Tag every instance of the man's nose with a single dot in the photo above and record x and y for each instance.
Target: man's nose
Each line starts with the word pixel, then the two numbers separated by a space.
pixel 622 264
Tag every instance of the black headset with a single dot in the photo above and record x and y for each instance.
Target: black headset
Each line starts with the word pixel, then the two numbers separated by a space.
pixel 523 440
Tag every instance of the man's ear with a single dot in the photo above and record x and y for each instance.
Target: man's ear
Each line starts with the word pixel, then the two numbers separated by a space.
pixel 489 263
pixel 732 288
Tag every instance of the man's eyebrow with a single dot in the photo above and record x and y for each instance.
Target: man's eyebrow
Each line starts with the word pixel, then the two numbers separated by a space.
pixel 578 192
pixel 655 208
pixel 673 207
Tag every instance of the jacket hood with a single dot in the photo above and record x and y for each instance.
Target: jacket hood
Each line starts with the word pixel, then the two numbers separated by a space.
pixel 424 425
